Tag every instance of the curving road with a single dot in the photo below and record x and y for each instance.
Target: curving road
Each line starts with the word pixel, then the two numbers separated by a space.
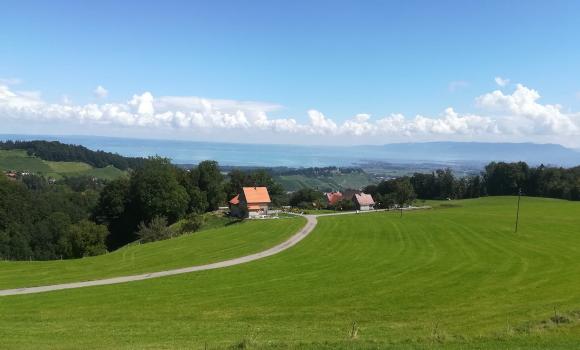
pixel 311 222
pixel 304 231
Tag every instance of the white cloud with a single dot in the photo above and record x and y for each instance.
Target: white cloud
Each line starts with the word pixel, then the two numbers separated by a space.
pixel 143 104
pixel 502 116
pixel 18 100
pixel 524 112
pixel 501 81
pixel 319 124
pixel 100 92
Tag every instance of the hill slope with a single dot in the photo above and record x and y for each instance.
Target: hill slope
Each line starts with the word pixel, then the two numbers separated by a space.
pixel 453 277
pixel 60 152
pixel 199 248
pixel 325 183
pixel 19 160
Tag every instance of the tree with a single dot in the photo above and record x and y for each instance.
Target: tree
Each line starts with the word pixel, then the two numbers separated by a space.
pixel 84 238
pixel 113 210
pixel 210 181
pixel 446 183
pixel 45 241
pixel 305 198
pixel 425 185
pixel 344 204
pixel 192 223
pixel 404 193
pixel 155 191
pixel 156 230
pixel 197 198
pixel 385 201
pixel 505 178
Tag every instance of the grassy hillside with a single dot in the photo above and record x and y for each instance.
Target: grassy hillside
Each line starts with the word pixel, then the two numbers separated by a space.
pixel 325 183
pixel 18 160
pixel 455 277
pixel 210 245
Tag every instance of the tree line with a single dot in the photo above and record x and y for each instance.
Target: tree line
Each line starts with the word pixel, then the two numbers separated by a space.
pixel 497 179
pixel 60 152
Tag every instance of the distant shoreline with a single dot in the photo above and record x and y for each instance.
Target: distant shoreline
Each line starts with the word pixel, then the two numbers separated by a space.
pixel 441 154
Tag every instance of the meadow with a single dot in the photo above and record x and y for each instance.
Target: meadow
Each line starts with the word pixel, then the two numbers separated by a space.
pixel 325 183
pixel 454 277
pixel 214 243
pixel 19 160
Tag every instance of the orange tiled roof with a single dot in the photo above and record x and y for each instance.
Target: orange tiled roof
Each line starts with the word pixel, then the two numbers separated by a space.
pixel 256 195
pixel 333 197
pixel 235 200
pixel 364 199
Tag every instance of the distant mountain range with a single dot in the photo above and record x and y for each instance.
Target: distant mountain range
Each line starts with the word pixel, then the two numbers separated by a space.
pixel 483 152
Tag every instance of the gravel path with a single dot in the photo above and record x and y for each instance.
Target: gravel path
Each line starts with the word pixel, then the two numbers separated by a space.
pixel 304 231
pixel 310 225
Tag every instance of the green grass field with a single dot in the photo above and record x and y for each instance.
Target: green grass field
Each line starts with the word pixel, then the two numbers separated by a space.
pixel 207 246
pixel 18 160
pixel 325 183
pixel 454 277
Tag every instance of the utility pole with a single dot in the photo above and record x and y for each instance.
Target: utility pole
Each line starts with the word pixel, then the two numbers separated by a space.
pixel 518 211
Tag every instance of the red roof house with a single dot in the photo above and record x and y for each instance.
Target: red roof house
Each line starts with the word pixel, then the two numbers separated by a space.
pixel 251 202
pixel 333 197
pixel 364 201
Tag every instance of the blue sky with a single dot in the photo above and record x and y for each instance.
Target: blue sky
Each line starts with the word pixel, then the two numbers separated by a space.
pixel 296 60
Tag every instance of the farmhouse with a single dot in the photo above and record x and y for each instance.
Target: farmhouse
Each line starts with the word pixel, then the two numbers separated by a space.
pixel 333 197
pixel 363 201
pixel 252 202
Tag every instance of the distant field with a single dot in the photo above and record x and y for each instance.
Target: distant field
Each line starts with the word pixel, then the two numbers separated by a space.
pixel 454 277
pixel 18 160
pixel 325 183
pixel 210 245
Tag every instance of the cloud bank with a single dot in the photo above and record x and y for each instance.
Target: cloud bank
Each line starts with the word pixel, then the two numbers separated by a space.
pixel 500 116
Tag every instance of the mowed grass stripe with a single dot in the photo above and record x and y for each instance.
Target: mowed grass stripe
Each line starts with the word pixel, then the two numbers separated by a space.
pixel 449 278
